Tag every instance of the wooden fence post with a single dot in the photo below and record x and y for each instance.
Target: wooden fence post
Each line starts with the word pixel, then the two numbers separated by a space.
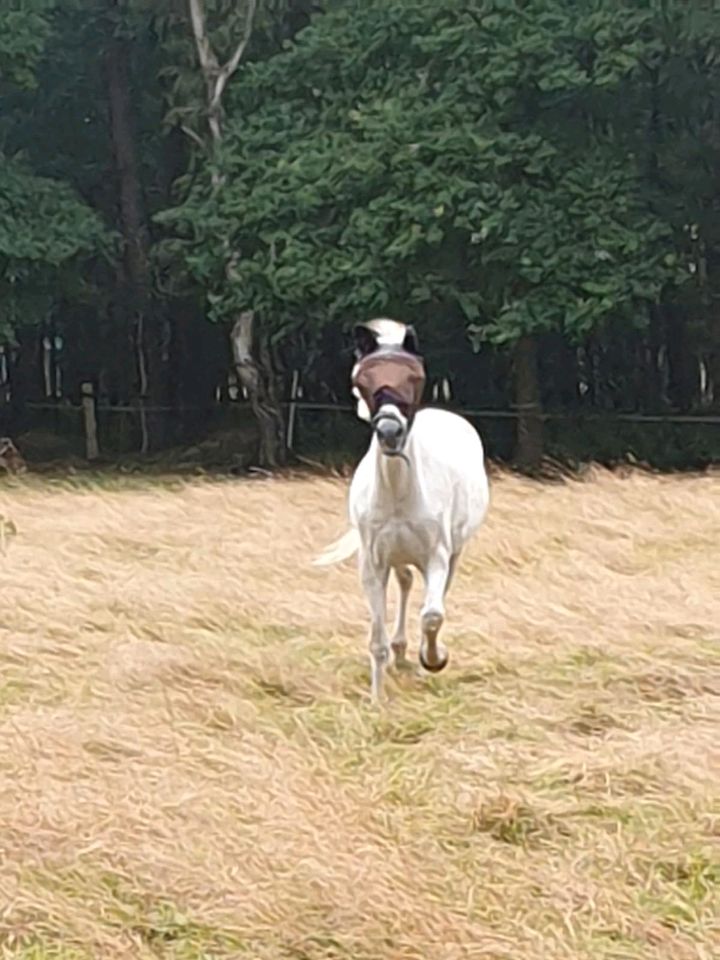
pixel 92 450
pixel 292 413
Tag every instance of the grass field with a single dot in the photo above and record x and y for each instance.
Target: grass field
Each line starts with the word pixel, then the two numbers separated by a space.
pixel 189 768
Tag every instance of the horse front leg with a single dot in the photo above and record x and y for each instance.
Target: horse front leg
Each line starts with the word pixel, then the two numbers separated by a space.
pixel 399 641
pixel 433 654
pixel 374 582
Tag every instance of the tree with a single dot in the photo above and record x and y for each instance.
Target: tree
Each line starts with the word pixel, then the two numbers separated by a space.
pixel 43 228
pixel 24 30
pixel 528 179
pixel 143 314
pixel 256 378
pixel 415 156
pixel 222 33
pixel 46 231
pixel 678 112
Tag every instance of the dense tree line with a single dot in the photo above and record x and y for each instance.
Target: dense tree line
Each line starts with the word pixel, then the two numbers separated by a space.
pixel 190 186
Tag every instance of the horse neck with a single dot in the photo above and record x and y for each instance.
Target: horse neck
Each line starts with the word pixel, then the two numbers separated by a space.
pixel 396 479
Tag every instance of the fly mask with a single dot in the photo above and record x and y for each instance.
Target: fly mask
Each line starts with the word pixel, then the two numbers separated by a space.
pixel 389 378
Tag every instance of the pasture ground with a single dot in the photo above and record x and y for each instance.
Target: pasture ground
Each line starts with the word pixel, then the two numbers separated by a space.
pixel 189 768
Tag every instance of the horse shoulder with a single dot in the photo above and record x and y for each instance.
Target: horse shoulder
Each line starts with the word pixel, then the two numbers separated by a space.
pixel 453 466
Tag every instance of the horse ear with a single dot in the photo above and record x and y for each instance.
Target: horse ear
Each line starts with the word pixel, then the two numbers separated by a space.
pixel 411 343
pixel 365 340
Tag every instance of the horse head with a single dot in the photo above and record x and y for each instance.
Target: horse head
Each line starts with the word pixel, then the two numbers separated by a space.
pixel 388 380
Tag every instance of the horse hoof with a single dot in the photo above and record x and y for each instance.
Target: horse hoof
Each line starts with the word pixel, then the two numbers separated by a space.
pixel 433 667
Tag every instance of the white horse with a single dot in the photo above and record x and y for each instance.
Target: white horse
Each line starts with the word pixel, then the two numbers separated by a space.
pixel 417 496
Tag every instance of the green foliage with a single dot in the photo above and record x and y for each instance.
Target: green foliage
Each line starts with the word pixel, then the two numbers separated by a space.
pixel 43 226
pixel 24 30
pixel 42 221
pixel 412 153
pixel 181 80
pixel 484 167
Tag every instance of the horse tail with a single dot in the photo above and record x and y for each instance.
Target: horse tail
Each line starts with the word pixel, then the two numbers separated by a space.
pixel 341 549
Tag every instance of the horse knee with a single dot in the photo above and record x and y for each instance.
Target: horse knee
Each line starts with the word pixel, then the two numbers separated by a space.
pixel 380 651
pixel 404 577
pixel 431 619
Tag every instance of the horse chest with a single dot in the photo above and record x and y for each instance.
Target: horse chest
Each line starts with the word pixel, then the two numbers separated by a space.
pixel 395 540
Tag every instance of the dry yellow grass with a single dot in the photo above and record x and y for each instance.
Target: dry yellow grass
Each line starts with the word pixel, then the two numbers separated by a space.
pixel 189 768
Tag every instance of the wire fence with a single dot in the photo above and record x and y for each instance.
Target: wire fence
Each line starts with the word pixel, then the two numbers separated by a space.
pixel 224 430
pixel 489 414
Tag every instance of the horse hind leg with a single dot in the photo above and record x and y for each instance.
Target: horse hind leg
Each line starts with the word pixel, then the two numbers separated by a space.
pixel 399 641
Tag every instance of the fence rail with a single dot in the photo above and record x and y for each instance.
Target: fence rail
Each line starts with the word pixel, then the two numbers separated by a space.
pixel 706 419
pixel 91 408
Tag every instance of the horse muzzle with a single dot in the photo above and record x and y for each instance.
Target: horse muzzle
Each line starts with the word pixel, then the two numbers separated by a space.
pixel 391 431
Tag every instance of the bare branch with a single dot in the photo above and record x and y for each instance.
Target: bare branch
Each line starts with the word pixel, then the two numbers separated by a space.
pixel 232 64
pixel 229 68
pixel 217 77
pixel 215 127
pixel 208 60
pixel 195 137
pixel 242 337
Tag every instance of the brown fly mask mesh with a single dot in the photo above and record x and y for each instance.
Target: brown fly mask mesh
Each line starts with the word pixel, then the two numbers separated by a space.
pixel 390 379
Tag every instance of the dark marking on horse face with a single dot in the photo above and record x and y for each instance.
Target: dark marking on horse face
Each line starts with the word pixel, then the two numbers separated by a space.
pixel 411 344
pixel 366 341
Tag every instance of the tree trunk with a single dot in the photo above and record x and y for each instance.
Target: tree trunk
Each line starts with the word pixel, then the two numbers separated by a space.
pixel 146 331
pixel 256 376
pixel 684 379
pixel 712 360
pixel 259 384
pixel 651 393
pixel 529 450
pixel 23 379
